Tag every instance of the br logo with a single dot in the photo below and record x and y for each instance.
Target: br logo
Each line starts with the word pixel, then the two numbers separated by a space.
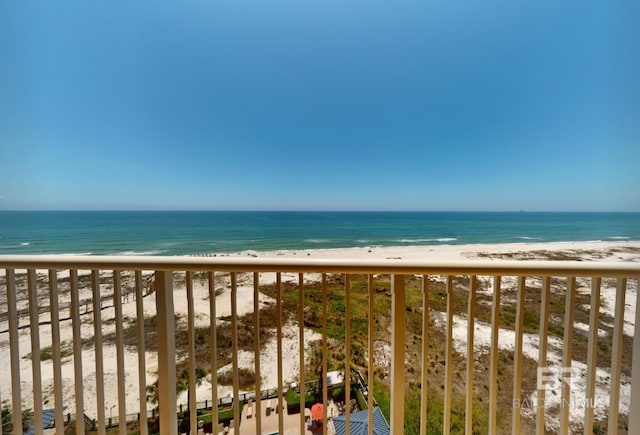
pixel 551 378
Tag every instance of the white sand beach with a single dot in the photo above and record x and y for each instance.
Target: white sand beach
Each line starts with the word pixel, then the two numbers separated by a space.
pixel 602 251
pixel 626 251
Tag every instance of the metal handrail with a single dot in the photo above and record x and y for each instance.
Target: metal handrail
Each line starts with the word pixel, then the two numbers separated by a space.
pixel 165 267
pixel 314 265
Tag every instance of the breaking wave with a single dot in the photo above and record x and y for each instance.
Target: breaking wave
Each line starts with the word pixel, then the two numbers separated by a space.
pixel 442 239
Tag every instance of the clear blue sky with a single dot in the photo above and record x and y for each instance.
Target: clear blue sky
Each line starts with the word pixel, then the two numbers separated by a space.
pixel 340 105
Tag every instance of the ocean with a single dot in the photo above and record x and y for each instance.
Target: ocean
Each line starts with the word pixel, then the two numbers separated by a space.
pixel 209 232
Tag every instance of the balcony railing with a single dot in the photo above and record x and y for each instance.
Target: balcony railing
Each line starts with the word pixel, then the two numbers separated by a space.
pixel 494 317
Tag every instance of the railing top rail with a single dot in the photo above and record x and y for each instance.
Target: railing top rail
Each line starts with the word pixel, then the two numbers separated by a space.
pixel 315 265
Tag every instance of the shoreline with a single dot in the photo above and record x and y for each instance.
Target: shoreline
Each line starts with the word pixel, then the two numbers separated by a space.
pixel 461 252
pixel 467 252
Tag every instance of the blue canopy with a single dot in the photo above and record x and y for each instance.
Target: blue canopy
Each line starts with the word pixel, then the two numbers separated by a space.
pixel 360 423
pixel 48 417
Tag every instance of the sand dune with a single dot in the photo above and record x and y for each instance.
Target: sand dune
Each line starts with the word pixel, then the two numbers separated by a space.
pixel 588 251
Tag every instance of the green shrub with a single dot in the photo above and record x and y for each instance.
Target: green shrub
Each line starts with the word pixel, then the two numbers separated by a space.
pixel 382 395
pixel 46 353
pixel 225 416
pixel 362 402
pixel 246 378
pixel 293 401
pixel 337 394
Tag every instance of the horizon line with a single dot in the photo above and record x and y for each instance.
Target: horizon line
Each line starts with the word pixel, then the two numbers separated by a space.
pixel 195 210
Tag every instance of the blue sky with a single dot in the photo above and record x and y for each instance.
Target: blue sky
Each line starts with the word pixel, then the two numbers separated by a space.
pixel 358 105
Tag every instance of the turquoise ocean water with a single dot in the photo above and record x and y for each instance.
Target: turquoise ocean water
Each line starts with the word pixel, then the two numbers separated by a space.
pixel 182 233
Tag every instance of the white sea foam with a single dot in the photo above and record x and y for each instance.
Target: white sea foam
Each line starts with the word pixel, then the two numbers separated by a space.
pixel 442 239
pixel 131 253
pixel 619 238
